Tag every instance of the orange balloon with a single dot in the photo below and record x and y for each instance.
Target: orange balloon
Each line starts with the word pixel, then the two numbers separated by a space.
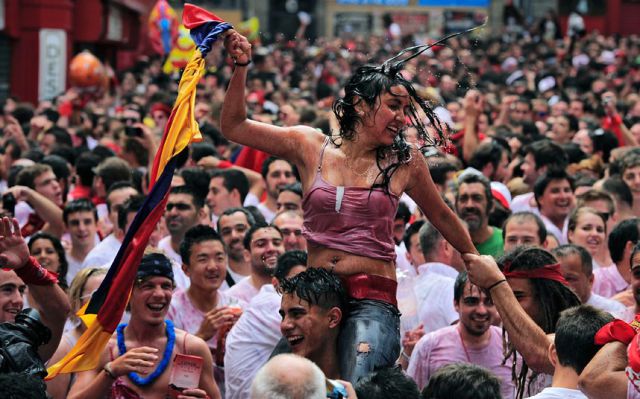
pixel 85 70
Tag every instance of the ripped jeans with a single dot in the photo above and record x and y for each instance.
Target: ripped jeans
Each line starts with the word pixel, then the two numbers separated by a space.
pixel 369 338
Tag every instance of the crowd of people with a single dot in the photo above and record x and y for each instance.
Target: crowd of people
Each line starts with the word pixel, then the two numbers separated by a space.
pixel 461 221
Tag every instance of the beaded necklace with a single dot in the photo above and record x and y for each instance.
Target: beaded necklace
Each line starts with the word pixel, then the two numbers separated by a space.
pixel 162 366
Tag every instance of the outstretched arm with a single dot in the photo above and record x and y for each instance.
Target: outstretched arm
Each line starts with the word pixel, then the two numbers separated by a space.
pixel 423 191
pixel 527 337
pixel 290 143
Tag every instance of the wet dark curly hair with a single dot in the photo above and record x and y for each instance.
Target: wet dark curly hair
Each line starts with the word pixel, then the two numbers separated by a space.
pixel 367 84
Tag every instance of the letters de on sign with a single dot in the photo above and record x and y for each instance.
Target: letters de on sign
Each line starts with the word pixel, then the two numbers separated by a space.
pixel 53 63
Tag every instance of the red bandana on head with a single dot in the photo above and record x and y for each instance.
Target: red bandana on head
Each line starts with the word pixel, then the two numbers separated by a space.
pixel 549 272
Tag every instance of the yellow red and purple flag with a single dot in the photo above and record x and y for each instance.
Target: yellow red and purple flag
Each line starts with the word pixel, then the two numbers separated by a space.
pixel 104 311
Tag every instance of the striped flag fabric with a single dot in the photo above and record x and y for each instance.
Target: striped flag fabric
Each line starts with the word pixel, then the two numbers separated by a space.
pixel 107 305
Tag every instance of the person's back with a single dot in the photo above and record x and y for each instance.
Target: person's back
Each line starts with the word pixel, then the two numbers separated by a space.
pixel 573 349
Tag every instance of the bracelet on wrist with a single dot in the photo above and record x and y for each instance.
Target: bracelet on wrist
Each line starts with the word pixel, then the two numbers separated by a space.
pixel 33 273
pixel 240 64
pixel 107 369
pixel 497 283
pixel 405 356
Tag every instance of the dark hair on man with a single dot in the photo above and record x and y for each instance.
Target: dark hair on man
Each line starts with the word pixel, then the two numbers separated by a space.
pixel 233 179
pixel 137 150
pixel 255 227
pixel 267 163
pixel 551 296
pixel 295 188
pixel 543 181
pixel 487 153
pixel 458 286
pixel 79 205
pixel 250 219
pixel 622 233
pixel 288 261
pixel 201 150
pixel 603 141
pixel 198 201
pixel 16 151
pixel 61 135
pixel 84 168
pixel 28 175
pixel 526 215
pixel 462 381
pixel 58 165
pixel 403 212
pixel 439 170
pixel 429 239
pixel 575 332
pixel 111 170
pixel 387 383
pixel 198 180
pixel 62 257
pixel 414 228
pixel 119 185
pixel 256 213
pixel 317 286
pixel 572 249
pixel 196 235
pixel 547 153
pixel 132 205
pixel 471 178
pixel 618 189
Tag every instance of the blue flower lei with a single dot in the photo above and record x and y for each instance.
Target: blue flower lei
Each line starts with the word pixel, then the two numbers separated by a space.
pixel 162 366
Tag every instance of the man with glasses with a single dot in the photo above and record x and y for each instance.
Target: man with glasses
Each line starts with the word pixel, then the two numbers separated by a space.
pixel 290 224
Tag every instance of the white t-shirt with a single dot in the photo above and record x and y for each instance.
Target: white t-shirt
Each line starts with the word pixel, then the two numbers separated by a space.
pixel 243 289
pixel 266 212
pixel 181 279
pixel 104 253
pixel 559 393
pixel 434 295
pixel 606 304
pixel 251 341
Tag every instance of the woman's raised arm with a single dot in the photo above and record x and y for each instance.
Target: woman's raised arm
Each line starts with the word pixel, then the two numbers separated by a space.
pixel 290 143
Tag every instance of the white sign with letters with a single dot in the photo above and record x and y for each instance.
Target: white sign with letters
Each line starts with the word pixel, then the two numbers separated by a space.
pixel 52 77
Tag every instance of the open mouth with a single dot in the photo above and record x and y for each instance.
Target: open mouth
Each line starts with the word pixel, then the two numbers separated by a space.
pixel 295 340
pixel 13 311
pixel 156 307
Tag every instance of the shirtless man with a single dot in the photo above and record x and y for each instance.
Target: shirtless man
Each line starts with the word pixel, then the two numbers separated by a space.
pixel 138 372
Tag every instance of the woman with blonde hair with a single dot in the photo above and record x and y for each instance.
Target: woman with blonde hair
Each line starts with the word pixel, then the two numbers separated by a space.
pixel 82 287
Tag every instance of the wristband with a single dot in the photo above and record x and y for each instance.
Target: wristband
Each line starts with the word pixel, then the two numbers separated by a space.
pixel 33 273
pixel 224 165
pixel 497 283
pixel 238 64
pixel 107 369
